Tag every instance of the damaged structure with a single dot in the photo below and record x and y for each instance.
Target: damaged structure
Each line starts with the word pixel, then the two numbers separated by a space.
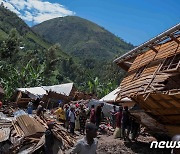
pixel 64 92
pixel 23 133
pixel 111 99
pixel 153 80
pixel 51 95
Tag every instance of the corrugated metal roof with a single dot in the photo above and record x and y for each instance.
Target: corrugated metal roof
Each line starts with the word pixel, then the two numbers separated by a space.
pixel 64 89
pixel 4 134
pixel 34 92
pixel 154 41
pixel 111 97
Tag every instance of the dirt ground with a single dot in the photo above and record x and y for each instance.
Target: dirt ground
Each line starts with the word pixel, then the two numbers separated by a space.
pixel 109 145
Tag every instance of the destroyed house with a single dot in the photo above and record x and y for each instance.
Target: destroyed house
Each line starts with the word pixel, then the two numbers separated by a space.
pixel 111 99
pixel 63 92
pixel 153 78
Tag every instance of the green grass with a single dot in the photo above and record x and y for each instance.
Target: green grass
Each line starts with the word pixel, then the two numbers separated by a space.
pixel 3 35
pixel 37 39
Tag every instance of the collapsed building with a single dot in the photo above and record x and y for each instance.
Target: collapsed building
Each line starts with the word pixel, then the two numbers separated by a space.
pixel 153 81
pixel 51 95
pixel 111 99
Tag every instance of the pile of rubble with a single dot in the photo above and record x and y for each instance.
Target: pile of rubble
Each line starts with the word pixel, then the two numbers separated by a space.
pixel 23 133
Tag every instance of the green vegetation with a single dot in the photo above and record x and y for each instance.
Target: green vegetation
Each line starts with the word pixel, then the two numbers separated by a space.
pixel 91 46
pixel 82 39
pixel 28 60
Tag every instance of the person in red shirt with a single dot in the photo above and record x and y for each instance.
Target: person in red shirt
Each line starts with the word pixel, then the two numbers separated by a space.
pixel 92 115
pixel 117 132
pixel 1 104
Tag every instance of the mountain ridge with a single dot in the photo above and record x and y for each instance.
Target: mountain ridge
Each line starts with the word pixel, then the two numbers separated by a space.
pixel 85 59
pixel 82 38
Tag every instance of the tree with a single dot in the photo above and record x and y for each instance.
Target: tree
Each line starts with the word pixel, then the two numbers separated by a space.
pixel 10 47
pixel 50 63
pixel 27 76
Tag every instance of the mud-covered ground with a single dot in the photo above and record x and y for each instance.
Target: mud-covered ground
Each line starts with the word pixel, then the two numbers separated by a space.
pixel 109 145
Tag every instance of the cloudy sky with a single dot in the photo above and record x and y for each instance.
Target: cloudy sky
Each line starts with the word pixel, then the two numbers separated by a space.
pixel 135 21
pixel 37 11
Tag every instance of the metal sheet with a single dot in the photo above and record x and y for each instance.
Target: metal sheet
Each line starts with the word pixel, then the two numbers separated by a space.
pixel 4 134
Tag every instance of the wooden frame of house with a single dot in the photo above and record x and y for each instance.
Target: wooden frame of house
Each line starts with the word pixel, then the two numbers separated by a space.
pixel 153 78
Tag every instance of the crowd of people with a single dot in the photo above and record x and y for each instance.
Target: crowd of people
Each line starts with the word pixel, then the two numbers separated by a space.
pixel 75 116
pixel 124 124
pixel 86 120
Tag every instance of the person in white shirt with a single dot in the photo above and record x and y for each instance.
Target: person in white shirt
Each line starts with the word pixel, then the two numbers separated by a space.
pixel 88 144
pixel 176 139
pixel 72 119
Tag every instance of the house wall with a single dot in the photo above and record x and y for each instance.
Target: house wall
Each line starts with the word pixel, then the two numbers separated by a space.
pixel 156 91
pixel 132 85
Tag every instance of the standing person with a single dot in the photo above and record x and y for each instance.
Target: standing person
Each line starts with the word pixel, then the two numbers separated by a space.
pixel 99 114
pixel 60 103
pixel 40 109
pixel 60 113
pixel 1 104
pixel 30 107
pixel 36 102
pixel 88 144
pixel 92 115
pixel 66 110
pixel 72 119
pixel 135 128
pixel 49 138
pixel 176 138
pixel 117 132
pixel 82 119
pixel 77 123
pixel 113 115
pixel 125 123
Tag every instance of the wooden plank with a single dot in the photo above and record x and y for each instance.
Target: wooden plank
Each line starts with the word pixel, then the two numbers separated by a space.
pixel 164 50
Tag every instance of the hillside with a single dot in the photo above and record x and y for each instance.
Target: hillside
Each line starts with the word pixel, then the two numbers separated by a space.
pixel 92 47
pixel 81 38
pixel 29 60
pixel 9 20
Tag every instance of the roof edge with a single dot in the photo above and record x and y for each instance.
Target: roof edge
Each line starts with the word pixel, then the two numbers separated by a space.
pixel 162 36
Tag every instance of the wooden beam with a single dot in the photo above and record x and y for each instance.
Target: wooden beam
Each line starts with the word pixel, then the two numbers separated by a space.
pixel 166 101
pixel 127 62
pixel 152 48
pixel 142 105
pixel 174 39
pixel 175 98
pixel 153 112
pixel 123 66
pixel 155 101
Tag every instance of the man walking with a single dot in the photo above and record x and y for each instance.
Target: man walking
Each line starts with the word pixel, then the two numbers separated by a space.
pixel 117 132
pixel 125 123
pixel 88 144
pixel 99 114
pixel 49 138
pixel 72 119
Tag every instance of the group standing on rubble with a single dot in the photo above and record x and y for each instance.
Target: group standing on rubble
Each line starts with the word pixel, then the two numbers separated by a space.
pixel 80 117
pixel 76 116
pixel 125 124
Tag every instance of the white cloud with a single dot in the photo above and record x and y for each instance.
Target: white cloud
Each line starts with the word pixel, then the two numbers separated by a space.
pixel 36 10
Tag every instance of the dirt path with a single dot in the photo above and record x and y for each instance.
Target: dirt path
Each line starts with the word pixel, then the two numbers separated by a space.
pixel 109 145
